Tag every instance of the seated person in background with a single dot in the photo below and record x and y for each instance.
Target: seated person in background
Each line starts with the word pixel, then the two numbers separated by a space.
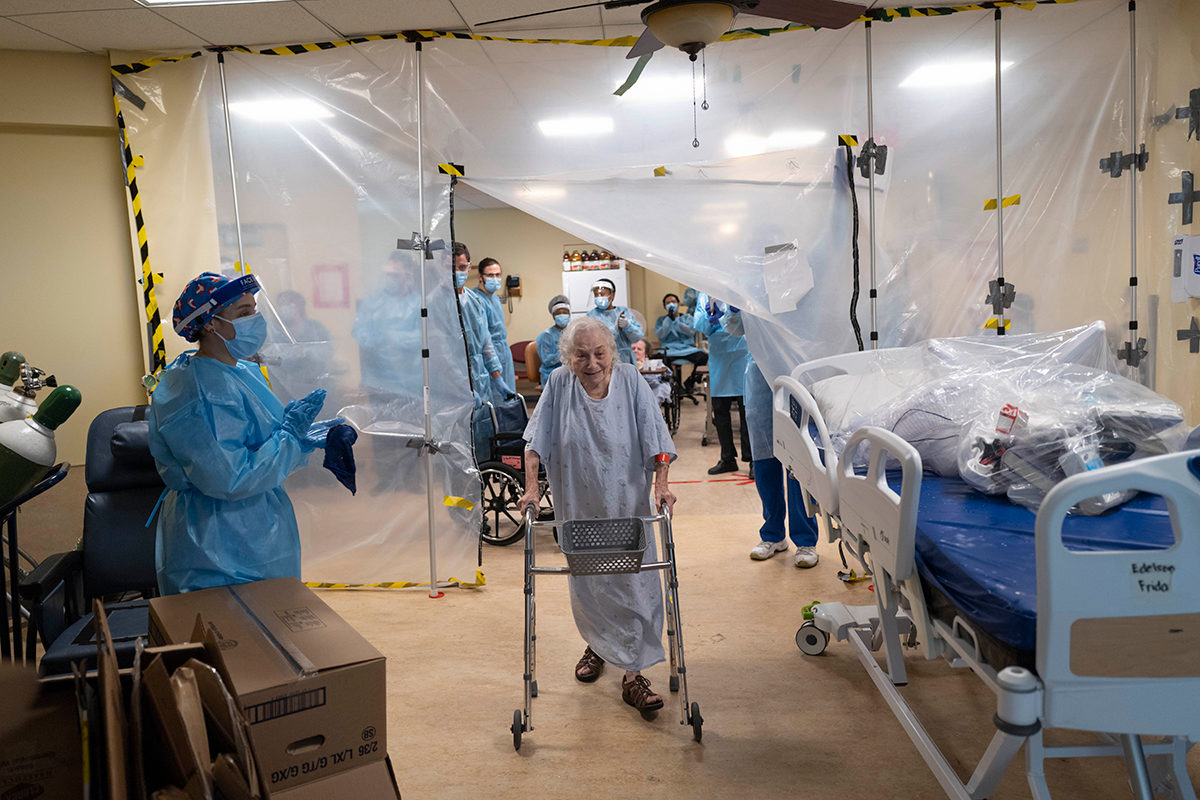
pixel 601 436
pixel 678 338
pixel 653 371
pixel 224 445
pixel 547 340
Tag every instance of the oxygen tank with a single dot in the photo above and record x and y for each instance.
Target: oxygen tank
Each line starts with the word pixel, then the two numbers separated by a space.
pixel 13 404
pixel 27 447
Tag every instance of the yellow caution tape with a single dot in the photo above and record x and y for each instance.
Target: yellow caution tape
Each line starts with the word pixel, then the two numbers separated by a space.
pixel 994 322
pixel 1011 200
pixel 848 139
pixel 479 581
pixel 660 172
pixel 451 169
pixel 457 502
pixel 157 360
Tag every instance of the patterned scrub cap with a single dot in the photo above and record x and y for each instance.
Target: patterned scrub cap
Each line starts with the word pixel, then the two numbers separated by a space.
pixel 204 296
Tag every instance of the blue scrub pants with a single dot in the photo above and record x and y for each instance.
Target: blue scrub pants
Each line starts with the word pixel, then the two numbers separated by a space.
pixel 768 480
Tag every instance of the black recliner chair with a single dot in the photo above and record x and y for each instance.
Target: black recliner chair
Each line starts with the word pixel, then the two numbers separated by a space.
pixel 115 558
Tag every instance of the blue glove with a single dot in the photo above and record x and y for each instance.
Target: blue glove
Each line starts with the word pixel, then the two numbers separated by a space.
pixel 319 431
pixel 502 389
pixel 714 314
pixel 734 310
pixel 298 415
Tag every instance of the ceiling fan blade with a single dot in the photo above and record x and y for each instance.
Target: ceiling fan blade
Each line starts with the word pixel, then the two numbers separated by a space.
pixel 818 13
pixel 541 13
pixel 646 44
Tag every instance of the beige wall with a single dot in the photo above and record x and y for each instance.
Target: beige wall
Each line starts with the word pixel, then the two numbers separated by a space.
pixel 70 297
pixel 533 249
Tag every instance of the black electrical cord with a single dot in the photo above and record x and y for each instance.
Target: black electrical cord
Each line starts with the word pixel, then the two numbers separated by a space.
pixel 454 287
pixel 854 247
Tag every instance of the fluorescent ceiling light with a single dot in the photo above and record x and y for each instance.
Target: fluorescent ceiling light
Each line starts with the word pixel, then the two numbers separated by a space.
pixel 161 3
pixel 745 144
pixel 953 73
pixel 282 109
pixel 575 126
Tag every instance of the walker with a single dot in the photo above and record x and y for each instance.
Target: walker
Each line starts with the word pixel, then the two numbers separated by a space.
pixel 606 547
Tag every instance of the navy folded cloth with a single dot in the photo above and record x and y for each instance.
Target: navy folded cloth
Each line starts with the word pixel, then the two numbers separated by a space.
pixel 339 455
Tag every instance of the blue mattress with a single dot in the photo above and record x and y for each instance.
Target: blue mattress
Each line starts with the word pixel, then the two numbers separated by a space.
pixel 978 551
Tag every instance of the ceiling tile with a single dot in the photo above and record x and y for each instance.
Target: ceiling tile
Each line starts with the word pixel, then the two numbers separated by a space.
pixel 384 16
pixel 11 7
pixel 251 24
pixel 97 31
pixel 15 36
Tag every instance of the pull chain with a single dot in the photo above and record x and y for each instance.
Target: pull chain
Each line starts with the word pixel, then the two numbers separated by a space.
pixel 704 79
pixel 695 130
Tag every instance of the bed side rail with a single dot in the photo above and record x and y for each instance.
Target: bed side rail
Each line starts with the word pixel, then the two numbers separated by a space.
pixel 1118 639
pixel 883 519
pixel 795 414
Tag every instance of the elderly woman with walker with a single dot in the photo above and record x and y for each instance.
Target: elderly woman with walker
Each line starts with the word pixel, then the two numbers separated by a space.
pixel 599 432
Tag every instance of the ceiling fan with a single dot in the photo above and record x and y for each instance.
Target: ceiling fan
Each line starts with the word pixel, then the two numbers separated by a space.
pixel 690 25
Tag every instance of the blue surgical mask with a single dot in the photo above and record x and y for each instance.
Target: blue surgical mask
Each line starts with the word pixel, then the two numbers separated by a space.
pixel 561 320
pixel 249 335
pixel 602 303
pixel 460 278
pixel 492 284
pixel 672 308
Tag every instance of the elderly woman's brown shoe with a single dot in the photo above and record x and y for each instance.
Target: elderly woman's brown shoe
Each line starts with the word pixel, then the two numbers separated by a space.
pixel 638 694
pixel 589 667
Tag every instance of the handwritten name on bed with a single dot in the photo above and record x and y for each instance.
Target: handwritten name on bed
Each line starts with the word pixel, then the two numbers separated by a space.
pixel 1157 576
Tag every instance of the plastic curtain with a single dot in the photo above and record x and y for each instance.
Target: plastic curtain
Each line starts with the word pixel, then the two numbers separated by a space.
pixel 325 155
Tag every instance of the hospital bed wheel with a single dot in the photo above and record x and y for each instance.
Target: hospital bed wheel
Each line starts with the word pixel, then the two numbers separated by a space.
pixel 674 683
pixel 518 727
pixel 696 721
pixel 811 640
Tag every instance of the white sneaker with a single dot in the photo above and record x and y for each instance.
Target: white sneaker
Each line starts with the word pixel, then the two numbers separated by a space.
pixel 764 549
pixel 806 557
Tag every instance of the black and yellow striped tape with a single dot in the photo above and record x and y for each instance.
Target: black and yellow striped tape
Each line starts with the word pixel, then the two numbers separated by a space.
pixel 848 139
pixel 157 355
pixel 450 168
pixel 479 581
pixel 994 322
pixel 1011 200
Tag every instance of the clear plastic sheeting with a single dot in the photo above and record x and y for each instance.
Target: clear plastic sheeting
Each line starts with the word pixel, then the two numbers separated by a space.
pixel 325 171
pixel 1012 416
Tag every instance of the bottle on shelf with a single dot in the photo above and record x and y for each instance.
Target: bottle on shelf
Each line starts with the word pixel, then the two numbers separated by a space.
pixel 596 260
pixel 576 260
pixel 605 259
pixel 566 261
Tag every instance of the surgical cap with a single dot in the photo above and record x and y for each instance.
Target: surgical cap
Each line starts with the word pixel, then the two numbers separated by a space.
pixel 557 301
pixel 204 296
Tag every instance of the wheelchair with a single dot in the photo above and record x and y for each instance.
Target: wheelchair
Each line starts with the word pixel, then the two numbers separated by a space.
pixel 679 392
pixel 500 456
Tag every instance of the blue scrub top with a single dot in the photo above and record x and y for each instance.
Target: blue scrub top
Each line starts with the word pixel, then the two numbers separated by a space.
pixel 547 348
pixel 625 336
pixel 498 332
pixel 216 434
pixel 726 356
pixel 676 336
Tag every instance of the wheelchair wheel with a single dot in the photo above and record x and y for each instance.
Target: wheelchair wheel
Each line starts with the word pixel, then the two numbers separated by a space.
pixel 502 488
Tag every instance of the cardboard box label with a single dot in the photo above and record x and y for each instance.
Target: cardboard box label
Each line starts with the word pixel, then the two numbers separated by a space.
pixel 283 706
pixel 299 619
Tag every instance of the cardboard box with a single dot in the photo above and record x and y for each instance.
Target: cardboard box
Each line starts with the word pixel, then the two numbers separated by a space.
pixel 41 752
pixel 369 782
pixel 313 690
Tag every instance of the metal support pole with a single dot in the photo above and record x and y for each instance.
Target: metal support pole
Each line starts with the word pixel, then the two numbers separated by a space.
pixel 999 182
pixel 1133 173
pixel 427 451
pixel 237 218
pixel 871 191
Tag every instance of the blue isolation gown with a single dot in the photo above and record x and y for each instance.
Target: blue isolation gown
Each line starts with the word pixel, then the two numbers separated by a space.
pixel 481 355
pixel 599 457
pixel 498 332
pixel 726 356
pixel 676 336
pixel 547 348
pixel 625 336
pixel 216 435
pixel 387 328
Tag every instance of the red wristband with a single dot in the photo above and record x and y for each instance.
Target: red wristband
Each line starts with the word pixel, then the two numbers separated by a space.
pixel 663 458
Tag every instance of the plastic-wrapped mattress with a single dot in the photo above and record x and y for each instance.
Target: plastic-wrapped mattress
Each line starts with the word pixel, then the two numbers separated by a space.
pixel 976 558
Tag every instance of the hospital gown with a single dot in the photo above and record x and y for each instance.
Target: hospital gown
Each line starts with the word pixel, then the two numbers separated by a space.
pixel 599 457
pixel 215 433
pixel 494 310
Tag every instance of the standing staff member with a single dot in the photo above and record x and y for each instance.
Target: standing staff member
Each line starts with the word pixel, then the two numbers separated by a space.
pixel 483 362
pixel 547 340
pixel 618 319
pixel 488 293
pixel 726 371
pixel 224 445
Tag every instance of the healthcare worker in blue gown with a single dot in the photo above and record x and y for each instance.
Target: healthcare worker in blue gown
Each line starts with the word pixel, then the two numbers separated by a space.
pixel 726 373
pixel 769 475
pixel 482 360
pixel 547 340
pixel 677 338
pixel 224 445
pixel 488 295
pixel 619 319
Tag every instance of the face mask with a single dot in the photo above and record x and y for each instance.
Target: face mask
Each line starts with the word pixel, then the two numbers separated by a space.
pixel 249 335
pixel 460 278
pixel 602 303
pixel 672 308
pixel 491 284
pixel 561 320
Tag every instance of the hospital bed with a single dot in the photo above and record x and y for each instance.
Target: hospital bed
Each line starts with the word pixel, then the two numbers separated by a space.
pixel 1064 628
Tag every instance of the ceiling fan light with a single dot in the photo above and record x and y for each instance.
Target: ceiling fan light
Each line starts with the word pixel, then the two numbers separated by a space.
pixel 677 24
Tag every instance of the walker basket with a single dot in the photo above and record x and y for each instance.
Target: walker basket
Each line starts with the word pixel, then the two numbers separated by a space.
pixel 603 546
